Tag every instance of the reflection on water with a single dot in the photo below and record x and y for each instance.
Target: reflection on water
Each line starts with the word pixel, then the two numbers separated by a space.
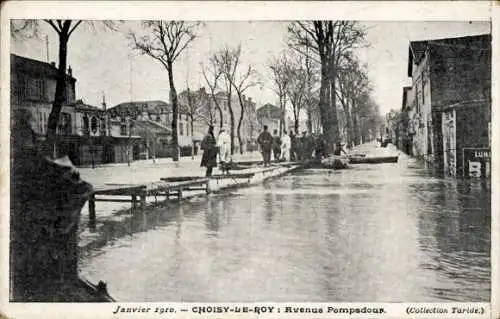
pixel 387 232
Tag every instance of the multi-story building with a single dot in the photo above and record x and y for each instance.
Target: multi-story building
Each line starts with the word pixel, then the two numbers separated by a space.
pixel 406 125
pixel 152 121
pixel 84 131
pixel 270 116
pixel 452 87
pixel 33 88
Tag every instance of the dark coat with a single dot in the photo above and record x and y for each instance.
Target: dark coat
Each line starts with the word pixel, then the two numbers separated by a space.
pixel 266 141
pixel 276 143
pixel 209 157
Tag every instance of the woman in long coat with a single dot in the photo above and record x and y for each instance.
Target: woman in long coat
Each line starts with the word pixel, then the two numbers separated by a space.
pixel 209 147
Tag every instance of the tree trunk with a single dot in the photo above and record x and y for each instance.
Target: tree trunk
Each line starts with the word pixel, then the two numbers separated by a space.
pixel 192 135
pixel 295 118
pixel 349 125
pixel 282 115
pixel 175 111
pixel 355 125
pixel 231 120
pixel 309 120
pixel 242 106
pixel 217 106
pixel 327 108
pixel 334 115
pixel 60 98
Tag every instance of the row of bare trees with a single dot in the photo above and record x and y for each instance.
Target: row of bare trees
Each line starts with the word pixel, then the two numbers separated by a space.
pixel 324 48
pixel 327 49
pixel 295 81
pixel 163 41
pixel 226 74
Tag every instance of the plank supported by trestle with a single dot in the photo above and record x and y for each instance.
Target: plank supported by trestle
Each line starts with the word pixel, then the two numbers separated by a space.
pixel 132 190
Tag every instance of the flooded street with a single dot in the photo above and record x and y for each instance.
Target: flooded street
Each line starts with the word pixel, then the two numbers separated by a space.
pixel 387 233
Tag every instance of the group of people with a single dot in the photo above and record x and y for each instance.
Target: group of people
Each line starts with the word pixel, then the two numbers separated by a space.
pixel 212 147
pixel 288 147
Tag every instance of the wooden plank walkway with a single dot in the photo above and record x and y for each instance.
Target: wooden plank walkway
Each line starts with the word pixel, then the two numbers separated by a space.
pixel 174 186
pixel 171 186
pixel 133 190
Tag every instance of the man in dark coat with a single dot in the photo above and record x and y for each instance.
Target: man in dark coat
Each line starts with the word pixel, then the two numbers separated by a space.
pixel 209 157
pixel 266 142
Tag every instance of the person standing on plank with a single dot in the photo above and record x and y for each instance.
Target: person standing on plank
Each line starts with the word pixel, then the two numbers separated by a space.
pixel 285 147
pixel 209 147
pixel 266 142
pixel 224 144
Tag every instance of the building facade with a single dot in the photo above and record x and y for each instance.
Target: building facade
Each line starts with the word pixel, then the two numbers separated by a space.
pixel 452 86
pixel 406 124
pixel 33 88
pixel 84 132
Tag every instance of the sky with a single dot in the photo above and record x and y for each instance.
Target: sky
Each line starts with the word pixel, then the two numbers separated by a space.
pixel 103 62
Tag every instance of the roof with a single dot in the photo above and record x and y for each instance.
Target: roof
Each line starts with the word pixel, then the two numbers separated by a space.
pixel 21 64
pixel 82 106
pixel 270 111
pixel 417 49
pixel 152 126
pixel 152 106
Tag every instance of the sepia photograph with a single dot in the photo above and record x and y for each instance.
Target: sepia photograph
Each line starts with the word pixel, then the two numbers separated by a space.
pixel 250 161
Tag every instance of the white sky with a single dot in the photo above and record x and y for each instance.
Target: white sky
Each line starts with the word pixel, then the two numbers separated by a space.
pixel 101 59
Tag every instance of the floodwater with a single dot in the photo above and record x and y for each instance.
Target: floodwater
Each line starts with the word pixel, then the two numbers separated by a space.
pixel 385 233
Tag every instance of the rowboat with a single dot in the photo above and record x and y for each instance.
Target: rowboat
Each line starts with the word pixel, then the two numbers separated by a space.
pixel 373 160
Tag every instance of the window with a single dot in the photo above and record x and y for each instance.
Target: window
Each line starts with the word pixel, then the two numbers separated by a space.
pixel 93 124
pixel 103 127
pixel 181 129
pixel 123 129
pixel 86 130
pixel 65 123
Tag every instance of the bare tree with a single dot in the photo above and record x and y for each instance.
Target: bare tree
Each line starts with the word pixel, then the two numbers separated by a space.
pixel 297 87
pixel 280 78
pixel 164 42
pixel 21 29
pixel 212 75
pixel 241 85
pixel 312 81
pixel 327 42
pixel 352 84
pixel 227 61
pixel 197 109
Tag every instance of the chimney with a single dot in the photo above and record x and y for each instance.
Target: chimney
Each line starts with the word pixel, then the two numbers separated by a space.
pixel 70 71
